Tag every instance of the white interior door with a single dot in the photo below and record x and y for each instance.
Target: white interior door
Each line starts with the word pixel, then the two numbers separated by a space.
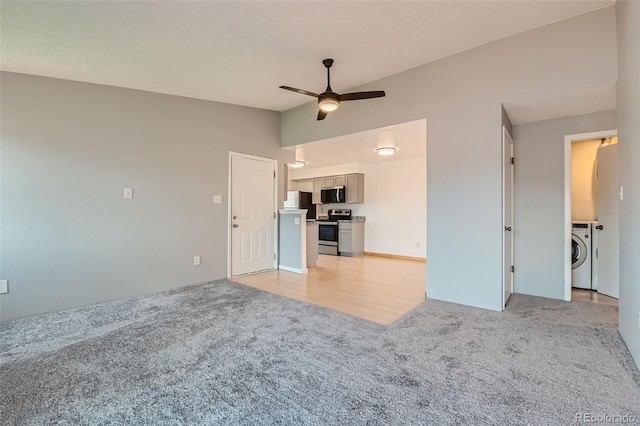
pixel 252 215
pixel 606 253
pixel 507 215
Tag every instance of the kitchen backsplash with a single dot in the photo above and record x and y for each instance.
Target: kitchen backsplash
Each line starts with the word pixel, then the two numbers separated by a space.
pixel 324 208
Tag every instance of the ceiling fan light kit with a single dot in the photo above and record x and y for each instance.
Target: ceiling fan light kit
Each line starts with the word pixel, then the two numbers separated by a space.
pixel 386 150
pixel 328 104
pixel 329 100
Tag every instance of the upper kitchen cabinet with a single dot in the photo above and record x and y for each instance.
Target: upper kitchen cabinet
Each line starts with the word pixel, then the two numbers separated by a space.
pixel 317 186
pixel 328 182
pixel 353 183
pixel 355 188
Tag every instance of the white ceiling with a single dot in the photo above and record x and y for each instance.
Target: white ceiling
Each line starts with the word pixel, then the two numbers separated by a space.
pixel 409 139
pixel 240 52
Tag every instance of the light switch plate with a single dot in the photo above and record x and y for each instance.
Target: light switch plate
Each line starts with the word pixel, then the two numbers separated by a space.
pixel 296 221
pixel 128 193
pixel 217 199
pixel 196 260
pixel 4 286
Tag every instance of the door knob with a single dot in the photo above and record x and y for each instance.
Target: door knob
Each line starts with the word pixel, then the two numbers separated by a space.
pixel 507 228
pixel 599 227
pixel 234 216
pixel 235 225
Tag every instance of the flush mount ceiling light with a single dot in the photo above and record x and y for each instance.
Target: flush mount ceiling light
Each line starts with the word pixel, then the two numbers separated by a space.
pixel 297 164
pixel 386 150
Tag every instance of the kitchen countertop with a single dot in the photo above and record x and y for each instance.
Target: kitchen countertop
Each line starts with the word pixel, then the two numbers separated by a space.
pixel 353 219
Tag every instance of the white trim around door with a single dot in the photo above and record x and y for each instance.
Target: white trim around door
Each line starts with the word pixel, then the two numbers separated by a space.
pixel 508 226
pixel 230 201
pixel 568 139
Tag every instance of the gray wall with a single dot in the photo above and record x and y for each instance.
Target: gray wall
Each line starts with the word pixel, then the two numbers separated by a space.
pixel 506 121
pixel 539 200
pixel 628 16
pixel 461 97
pixel 68 149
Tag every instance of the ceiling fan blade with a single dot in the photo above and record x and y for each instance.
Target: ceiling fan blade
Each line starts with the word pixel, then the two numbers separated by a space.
pixel 303 92
pixel 361 95
pixel 322 114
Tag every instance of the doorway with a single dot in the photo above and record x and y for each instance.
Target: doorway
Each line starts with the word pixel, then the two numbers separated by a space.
pixel 507 216
pixel 591 229
pixel 379 270
pixel 252 214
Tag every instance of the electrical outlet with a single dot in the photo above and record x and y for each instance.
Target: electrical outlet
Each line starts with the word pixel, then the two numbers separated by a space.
pixel 196 260
pixel 128 193
pixel 4 286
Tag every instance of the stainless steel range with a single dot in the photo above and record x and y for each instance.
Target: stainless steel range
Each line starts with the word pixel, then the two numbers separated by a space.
pixel 328 230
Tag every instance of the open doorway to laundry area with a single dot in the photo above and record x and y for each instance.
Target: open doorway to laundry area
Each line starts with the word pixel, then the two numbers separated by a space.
pixel 366 232
pixel 591 196
pixel 542 129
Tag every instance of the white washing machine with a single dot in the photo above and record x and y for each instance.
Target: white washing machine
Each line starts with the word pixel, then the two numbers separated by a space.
pixel 581 253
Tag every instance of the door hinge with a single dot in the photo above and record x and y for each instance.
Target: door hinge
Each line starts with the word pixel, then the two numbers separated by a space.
pixel 513 161
pixel 274 174
pixel 274 215
pixel 513 269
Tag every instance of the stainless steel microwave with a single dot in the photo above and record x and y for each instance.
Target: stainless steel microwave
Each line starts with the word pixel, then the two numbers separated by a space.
pixel 333 195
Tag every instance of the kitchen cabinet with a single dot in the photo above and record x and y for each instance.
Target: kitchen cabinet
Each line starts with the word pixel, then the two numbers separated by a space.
pixel 351 238
pixel 312 244
pixel 327 182
pixel 353 183
pixel 345 238
pixel 317 186
pixel 333 181
pixel 355 188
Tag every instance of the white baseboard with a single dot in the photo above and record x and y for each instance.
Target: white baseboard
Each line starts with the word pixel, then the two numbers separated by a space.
pixel 296 270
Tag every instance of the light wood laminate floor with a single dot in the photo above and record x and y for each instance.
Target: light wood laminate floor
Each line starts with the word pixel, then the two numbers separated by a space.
pixel 589 296
pixel 377 289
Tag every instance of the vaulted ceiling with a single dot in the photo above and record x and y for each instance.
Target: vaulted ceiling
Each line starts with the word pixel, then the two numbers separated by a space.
pixel 240 52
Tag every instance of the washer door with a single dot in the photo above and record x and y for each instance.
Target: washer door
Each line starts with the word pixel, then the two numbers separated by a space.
pixel 578 251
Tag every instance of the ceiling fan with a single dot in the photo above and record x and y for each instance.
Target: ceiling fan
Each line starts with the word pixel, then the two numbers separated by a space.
pixel 329 100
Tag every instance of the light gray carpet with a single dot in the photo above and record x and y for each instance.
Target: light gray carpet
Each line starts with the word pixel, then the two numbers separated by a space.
pixel 223 353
